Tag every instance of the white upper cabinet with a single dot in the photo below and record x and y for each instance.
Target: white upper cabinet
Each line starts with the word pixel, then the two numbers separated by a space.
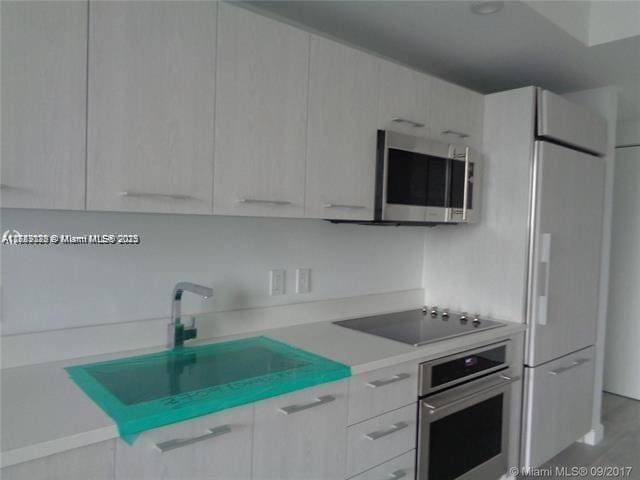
pixel 151 106
pixel 456 114
pixel 261 115
pixel 44 74
pixel 404 99
pixel 418 104
pixel 341 134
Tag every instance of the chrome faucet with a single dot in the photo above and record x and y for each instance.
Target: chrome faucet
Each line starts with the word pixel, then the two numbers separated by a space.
pixel 178 332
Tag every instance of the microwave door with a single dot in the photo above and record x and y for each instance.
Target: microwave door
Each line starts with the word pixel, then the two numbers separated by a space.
pixel 415 186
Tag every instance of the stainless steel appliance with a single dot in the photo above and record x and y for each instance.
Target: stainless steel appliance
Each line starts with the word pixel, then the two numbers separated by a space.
pixel 464 415
pixel 420 326
pixel 422 181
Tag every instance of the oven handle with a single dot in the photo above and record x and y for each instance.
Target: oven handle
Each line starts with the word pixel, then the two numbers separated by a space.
pixel 506 380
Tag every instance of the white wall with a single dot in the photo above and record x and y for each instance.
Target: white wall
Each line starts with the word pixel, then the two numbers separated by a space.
pixel 628 133
pixel 622 355
pixel 55 287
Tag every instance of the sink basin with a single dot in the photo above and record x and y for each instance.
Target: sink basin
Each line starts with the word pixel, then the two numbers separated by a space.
pixel 148 391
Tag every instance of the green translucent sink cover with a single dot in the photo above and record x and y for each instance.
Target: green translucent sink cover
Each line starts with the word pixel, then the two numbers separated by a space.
pixel 149 391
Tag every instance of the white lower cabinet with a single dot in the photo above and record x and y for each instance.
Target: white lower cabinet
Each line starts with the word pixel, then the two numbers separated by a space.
pixel 379 439
pixel 93 462
pixel 403 466
pixel 302 435
pixel 559 408
pixel 216 446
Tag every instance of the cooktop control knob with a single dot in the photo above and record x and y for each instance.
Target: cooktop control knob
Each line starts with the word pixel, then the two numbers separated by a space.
pixel 476 319
pixel 445 314
pixel 434 311
pixel 464 317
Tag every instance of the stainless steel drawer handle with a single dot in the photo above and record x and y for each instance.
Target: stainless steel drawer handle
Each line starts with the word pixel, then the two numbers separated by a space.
pixel 396 427
pixel 455 133
pixel 397 475
pixel 411 123
pixel 264 202
pixel 394 379
pixel 183 442
pixel 560 370
pixel 338 205
pixel 316 403
pixel 170 196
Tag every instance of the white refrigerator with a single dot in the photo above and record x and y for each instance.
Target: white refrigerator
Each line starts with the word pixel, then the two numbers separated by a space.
pixel 566 216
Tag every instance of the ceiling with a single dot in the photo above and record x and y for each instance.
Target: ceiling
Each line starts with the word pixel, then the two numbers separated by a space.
pixel 515 47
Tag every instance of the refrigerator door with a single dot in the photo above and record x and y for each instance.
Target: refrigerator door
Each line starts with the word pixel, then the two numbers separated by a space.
pixel 564 263
pixel 558 406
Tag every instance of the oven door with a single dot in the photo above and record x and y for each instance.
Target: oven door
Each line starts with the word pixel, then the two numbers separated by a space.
pixel 464 185
pixel 416 179
pixel 464 432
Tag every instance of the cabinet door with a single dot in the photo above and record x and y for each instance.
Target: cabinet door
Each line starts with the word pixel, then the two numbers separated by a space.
pixel 261 115
pixel 44 75
pixel 559 404
pixel 151 106
pixel 93 462
pixel 560 119
pixel 566 252
pixel 404 99
pixel 341 133
pixel 302 436
pixel 216 446
pixel 456 114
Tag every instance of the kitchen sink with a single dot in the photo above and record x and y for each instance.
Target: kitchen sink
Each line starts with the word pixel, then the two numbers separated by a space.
pixel 146 391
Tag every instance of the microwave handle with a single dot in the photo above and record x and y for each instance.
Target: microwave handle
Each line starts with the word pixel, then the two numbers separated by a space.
pixel 465 195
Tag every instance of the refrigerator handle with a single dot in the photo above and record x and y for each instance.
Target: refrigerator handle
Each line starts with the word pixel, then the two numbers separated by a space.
pixel 543 278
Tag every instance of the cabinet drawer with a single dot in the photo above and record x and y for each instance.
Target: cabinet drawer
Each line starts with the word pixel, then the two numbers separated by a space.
pixel 212 446
pixel 374 393
pixel 402 467
pixel 301 435
pixel 377 440
pixel 559 405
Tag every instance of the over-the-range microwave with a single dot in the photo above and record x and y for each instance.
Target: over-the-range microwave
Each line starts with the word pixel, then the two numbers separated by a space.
pixel 420 181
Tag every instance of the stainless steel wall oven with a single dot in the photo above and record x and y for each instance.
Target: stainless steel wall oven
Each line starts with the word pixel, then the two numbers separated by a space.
pixel 464 415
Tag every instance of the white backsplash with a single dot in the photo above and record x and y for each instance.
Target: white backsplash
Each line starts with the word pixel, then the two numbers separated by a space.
pixel 55 287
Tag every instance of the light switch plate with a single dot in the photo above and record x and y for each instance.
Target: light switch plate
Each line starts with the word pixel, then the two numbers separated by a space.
pixel 303 280
pixel 276 282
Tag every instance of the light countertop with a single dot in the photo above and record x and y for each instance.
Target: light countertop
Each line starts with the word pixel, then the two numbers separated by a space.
pixel 44 412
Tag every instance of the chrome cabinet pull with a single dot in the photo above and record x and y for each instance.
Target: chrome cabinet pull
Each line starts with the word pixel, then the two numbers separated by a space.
pixel 338 205
pixel 183 442
pixel 265 202
pixel 411 123
pixel 457 134
pixel 560 370
pixel 396 427
pixel 298 408
pixel 543 279
pixel 397 475
pixel 171 196
pixel 382 383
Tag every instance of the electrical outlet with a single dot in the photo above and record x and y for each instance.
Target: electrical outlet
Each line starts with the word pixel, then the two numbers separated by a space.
pixel 303 280
pixel 276 282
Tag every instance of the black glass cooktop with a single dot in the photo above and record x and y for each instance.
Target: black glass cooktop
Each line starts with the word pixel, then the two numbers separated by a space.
pixel 419 327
